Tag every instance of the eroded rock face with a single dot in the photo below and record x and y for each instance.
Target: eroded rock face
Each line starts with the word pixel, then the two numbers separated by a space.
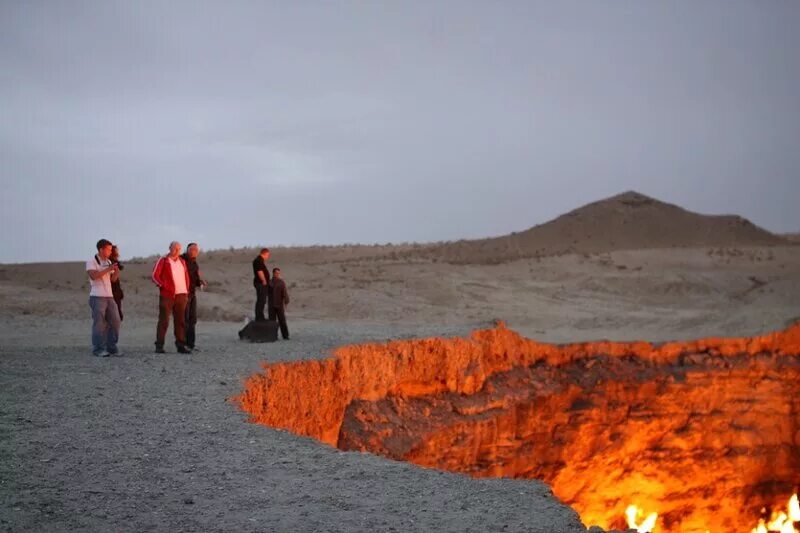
pixel 700 444
pixel 704 432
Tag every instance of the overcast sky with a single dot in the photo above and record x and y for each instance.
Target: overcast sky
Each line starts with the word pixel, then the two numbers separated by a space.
pixel 247 123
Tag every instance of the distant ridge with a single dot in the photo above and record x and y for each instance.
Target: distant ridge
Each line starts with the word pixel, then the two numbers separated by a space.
pixel 630 220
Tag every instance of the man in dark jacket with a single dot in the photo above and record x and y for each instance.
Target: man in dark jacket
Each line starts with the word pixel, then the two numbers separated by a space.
pixel 261 281
pixel 196 281
pixel 278 301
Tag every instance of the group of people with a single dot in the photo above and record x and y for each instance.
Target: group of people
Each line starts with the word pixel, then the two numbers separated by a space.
pixel 270 292
pixel 178 278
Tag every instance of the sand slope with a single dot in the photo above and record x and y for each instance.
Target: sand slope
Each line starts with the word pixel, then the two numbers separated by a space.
pixel 627 221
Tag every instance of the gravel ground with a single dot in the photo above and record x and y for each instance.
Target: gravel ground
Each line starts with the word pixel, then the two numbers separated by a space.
pixel 149 442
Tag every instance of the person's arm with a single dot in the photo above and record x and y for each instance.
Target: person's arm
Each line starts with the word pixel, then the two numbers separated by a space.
pixel 186 274
pixel 115 275
pixel 261 277
pixel 97 274
pixel 286 294
pixel 156 277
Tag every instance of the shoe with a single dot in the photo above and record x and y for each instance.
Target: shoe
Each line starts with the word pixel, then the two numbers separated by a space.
pixel 184 349
pixel 193 349
pixel 115 353
pixel 101 353
pixel 160 349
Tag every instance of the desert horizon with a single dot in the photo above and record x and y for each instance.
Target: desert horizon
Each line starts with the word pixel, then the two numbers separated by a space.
pixel 789 237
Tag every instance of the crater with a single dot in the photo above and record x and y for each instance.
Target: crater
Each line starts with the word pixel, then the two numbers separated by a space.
pixel 705 433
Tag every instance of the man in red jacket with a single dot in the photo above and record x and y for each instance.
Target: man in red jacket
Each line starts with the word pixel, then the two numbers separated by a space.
pixel 172 277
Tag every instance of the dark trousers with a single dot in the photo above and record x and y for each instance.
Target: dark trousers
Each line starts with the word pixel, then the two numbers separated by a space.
pixel 177 308
pixel 119 306
pixel 191 319
pixel 280 314
pixel 261 299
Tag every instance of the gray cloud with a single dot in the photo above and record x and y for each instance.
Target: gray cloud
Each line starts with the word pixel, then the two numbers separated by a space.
pixel 304 122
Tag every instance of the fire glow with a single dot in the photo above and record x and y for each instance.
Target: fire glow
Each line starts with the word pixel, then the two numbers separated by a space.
pixel 783 522
pixel 779 521
pixel 699 435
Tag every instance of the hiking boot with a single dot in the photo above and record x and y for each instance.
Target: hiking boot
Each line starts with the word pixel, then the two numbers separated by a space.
pixel 160 349
pixel 184 349
pixel 101 353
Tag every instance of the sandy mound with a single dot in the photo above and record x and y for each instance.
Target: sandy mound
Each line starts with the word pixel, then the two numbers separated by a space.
pixel 624 222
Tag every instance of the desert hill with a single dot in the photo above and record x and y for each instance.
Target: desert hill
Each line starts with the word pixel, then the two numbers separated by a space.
pixel 627 221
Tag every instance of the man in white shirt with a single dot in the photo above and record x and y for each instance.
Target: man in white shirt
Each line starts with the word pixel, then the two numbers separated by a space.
pixel 105 315
pixel 171 276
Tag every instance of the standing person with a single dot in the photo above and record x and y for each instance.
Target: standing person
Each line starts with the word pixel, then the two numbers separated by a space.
pixel 195 281
pixel 172 277
pixel 261 281
pixel 105 315
pixel 279 301
pixel 116 286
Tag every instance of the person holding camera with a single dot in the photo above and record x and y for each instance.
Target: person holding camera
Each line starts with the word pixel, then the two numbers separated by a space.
pixel 105 314
pixel 116 286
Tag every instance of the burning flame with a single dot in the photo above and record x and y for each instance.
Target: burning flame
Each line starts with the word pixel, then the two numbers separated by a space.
pixel 782 522
pixel 633 513
pixel 779 521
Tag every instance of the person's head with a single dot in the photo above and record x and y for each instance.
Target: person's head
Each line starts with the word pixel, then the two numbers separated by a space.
pixel 104 248
pixel 276 273
pixel 192 250
pixel 174 249
pixel 114 253
pixel 264 253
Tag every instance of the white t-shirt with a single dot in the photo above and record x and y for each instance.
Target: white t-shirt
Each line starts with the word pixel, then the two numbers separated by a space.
pixel 178 275
pixel 101 286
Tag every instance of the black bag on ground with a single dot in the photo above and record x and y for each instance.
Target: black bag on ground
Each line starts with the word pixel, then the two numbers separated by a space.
pixel 260 331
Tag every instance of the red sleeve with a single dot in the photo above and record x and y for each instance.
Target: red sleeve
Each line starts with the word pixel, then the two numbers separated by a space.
pixel 157 271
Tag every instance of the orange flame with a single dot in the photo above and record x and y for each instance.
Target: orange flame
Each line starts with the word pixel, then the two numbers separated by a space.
pixel 634 513
pixel 782 522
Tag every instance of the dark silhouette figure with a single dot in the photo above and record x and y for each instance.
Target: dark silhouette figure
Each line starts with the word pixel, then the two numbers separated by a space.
pixel 278 301
pixel 261 281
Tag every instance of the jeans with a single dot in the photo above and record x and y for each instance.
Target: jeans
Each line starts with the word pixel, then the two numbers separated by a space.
pixel 105 324
pixel 177 308
pixel 191 319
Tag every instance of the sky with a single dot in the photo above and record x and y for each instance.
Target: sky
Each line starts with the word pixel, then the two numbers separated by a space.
pixel 265 123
